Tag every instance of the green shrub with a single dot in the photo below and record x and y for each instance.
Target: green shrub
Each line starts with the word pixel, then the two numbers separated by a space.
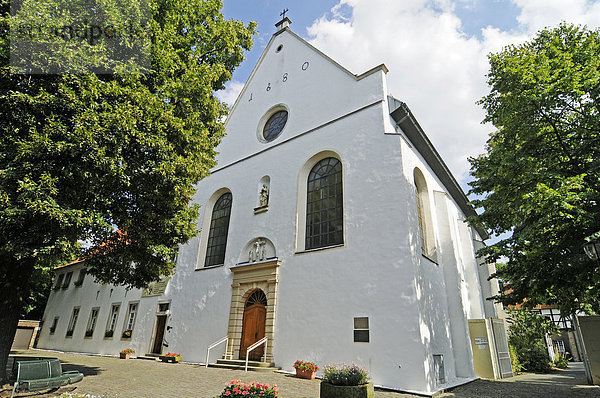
pixel 560 360
pixel 345 375
pixel 517 367
pixel 527 333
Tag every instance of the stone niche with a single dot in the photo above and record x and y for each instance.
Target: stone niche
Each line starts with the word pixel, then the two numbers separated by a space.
pixel 257 250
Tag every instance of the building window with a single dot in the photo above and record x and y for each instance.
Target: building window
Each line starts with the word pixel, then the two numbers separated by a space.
pixel 73 322
pixel 438 368
pixel 559 346
pixel 425 222
pixel 324 205
pixel 272 123
pixel 275 125
pixel 130 320
pixel 54 324
pixel 219 226
pixel 79 280
pixel 163 307
pixel 59 281
pixel 361 329
pixel 112 320
pixel 89 331
pixel 421 222
pixel 68 277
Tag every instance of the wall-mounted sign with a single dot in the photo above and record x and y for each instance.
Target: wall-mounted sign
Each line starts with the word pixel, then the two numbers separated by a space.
pixel 156 288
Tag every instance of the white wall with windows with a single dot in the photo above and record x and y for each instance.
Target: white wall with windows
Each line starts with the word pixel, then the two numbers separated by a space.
pixel 80 316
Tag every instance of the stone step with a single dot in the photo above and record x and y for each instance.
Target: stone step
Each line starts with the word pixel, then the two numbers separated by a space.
pixel 242 362
pixel 242 367
pixel 151 357
pixel 238 364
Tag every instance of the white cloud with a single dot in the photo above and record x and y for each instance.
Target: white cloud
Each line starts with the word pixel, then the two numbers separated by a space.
pixel 435 68
pixel 231 92
pixel 539 14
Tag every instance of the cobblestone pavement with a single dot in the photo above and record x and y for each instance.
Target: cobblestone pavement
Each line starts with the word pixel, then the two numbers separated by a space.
pixel 111 377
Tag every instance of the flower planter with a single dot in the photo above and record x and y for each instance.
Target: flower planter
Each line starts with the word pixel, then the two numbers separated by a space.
pixel 305 374
pixel 333 391
pixel 124 355
pixel 170 359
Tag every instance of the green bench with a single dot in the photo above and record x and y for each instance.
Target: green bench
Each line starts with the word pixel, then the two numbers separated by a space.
pixel 41 374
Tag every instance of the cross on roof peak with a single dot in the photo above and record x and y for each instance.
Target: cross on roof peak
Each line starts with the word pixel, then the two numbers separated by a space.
pixel 282 13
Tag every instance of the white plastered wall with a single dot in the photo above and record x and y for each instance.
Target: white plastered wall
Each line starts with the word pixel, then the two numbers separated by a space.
pixel 94 295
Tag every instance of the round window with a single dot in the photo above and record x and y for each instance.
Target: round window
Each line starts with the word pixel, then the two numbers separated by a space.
pixel 274 125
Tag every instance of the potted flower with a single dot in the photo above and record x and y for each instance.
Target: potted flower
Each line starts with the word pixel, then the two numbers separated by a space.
pixel 108 333
pixel 171 357
pixel 348 381
pixel 305 370
pixel 126 353
pixel 126 334
pixel 237 389
pixel 89 332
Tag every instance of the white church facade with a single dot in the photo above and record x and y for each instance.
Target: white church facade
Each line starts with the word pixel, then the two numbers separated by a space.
pixel 331 227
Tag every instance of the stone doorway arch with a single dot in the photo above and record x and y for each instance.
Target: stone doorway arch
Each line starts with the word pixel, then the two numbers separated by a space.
pixel 249 277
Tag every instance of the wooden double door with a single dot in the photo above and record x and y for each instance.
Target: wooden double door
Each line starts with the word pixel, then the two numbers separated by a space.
pixel 253 325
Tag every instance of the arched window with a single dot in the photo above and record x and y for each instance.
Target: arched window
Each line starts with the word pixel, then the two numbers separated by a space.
pixel 256 297
pixel 324 205
pixel 426 237
pixel 219 226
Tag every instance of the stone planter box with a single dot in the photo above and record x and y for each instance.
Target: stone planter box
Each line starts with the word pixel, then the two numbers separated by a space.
pixel 170 359
pixel 333 391
pixel 305 374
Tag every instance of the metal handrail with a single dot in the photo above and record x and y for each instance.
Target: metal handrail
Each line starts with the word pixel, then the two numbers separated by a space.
pixel 253 346
pixel 226 338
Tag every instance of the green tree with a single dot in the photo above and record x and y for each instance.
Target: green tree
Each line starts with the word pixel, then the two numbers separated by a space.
pixel 83 154
pixel 527 337
pixel 539 181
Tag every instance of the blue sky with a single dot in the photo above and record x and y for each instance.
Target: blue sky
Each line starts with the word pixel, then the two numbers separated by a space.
pixel 436 51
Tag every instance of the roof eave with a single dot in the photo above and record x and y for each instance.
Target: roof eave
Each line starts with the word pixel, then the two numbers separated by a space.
pixel 403 116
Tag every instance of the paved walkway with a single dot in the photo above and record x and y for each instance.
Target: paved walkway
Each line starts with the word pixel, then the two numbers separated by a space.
pixel 566 383
pixel 111 377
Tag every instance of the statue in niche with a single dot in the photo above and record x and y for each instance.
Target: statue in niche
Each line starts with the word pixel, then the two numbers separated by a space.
pixel 257 251
pixel 264 196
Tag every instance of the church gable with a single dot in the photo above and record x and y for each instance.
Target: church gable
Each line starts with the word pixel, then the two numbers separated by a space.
pixel 293 89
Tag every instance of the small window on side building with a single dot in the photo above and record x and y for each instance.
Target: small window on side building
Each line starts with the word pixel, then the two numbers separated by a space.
pixel 68 277
pixel 79 280
pixel 54 324
pixel 59 281
pixel 361 330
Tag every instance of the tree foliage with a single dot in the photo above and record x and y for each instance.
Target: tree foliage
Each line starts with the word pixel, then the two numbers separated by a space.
pixel 540 177
pixel 83 154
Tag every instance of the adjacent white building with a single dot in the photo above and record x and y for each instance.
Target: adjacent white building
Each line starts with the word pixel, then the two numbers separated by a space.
pixel 331 227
